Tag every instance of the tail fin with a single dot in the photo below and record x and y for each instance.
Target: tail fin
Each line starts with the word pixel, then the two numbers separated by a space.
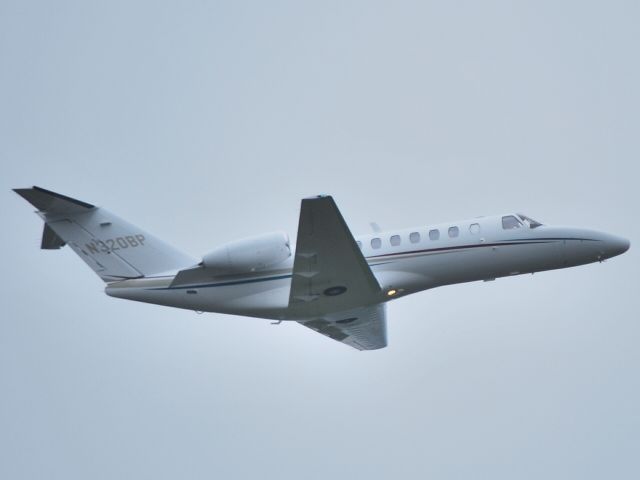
pixel 112 247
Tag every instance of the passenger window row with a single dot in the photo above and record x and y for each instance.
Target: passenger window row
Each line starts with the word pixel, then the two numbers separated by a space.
pixel 414 237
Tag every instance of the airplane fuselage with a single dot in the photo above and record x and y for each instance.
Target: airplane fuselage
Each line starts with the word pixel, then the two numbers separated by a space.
pixel 404 262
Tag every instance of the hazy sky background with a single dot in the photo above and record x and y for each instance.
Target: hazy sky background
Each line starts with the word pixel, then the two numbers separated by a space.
pixel 204 122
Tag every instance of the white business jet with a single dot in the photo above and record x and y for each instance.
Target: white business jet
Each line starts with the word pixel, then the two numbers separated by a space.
pixel 330 281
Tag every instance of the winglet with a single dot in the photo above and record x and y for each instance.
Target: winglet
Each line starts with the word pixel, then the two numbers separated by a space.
pixel 52 202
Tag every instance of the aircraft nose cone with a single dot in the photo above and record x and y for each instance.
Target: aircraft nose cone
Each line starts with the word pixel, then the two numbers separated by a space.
pixel 616 246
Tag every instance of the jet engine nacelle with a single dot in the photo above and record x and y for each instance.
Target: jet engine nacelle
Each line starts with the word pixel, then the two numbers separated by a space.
pixel 249 254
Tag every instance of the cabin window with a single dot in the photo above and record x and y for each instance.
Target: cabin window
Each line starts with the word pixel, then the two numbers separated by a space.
pixel 510 222
pixel 414 237
pixel 454 232
pixel 474 228
pixel 395 240
pixel 359 244
pixel 434 234
pixel 376 243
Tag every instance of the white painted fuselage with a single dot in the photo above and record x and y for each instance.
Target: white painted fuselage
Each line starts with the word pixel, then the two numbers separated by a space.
pixel 404 262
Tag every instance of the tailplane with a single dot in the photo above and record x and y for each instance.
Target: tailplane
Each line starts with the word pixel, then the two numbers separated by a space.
pixel 112 247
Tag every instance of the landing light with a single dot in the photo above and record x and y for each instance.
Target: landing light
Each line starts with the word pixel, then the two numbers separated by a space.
pixel 391 292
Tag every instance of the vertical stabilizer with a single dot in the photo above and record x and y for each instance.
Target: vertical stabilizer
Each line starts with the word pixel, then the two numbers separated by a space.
pixel 112 247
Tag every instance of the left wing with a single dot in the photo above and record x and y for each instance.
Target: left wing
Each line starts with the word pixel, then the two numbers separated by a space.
pixel 363 328
pixel 330 274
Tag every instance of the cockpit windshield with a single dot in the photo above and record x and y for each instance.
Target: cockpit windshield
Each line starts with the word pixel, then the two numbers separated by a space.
pixel 529 221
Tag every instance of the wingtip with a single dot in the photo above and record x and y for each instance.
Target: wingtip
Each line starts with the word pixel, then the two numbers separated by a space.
pixel 317 197
pixel 23 192
pixel 27 189
pixel 47 200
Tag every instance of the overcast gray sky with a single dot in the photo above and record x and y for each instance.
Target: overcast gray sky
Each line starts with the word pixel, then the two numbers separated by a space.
pixel 204 122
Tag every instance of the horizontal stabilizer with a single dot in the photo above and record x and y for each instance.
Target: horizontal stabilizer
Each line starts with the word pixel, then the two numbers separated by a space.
pixel 52 202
